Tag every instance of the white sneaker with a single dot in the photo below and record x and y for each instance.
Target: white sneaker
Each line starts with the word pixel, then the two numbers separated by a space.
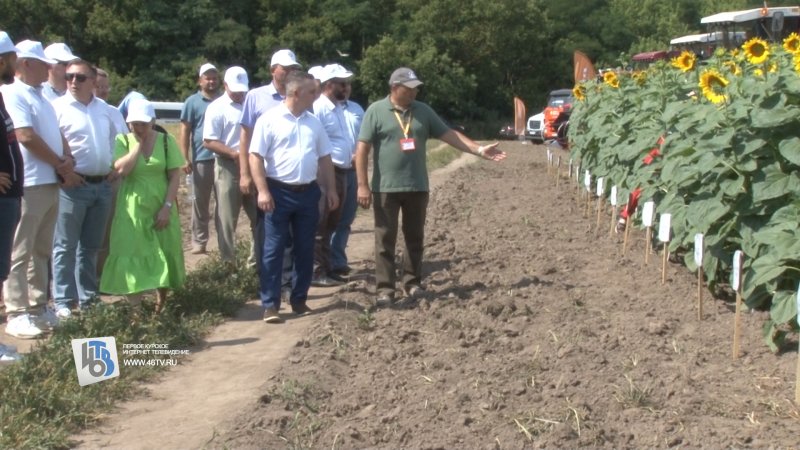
pixel 46 320
pixel 9 353
pixel 63 312
pixel 22 327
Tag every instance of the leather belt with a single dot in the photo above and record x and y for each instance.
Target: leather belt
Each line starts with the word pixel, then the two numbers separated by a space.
pixel 94 179
pixel 290 187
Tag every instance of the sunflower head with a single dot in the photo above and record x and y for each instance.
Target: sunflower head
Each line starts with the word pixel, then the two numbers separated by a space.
pixel 756 50
pixel 758 72
pixel 685 61
pixel 579 92
pixel 732 67
pixel 611 79
pixel 796 62
pixel 792 43
pixel 640 77
pixel 713 86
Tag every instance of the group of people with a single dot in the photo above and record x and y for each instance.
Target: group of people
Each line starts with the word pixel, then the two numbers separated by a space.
pixel 65 154
pixel 293 154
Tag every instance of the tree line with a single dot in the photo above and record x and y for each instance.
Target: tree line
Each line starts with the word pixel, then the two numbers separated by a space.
pixel 474 55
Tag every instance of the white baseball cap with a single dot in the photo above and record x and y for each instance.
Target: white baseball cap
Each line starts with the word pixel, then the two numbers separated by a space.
pixel 315 72
pixel 60 52
pixel 6 46
pixel 205 68
pixel 236 79
pixel 33 49
pixel 332 71
pixel 285 58
pixel 140 110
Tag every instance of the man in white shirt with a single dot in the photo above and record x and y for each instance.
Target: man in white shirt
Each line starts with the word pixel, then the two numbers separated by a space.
pixel 56 85
pixel 84 210
pixel 289 151
pixel 330 112
pixel 48 162
pixel 221 133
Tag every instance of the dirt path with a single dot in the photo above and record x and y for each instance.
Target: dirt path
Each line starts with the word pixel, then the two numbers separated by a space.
pixel 188 405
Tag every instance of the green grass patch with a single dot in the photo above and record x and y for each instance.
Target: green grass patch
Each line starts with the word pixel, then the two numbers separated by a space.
pixel 440 154
pixel 42 403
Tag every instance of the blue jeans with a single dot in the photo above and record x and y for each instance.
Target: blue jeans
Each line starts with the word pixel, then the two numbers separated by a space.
pixel 83 213
pixel 341 235
pixel 11 208
pixel 298 212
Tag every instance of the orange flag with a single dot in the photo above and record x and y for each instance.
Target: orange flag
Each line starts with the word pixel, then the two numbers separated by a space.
pixel 584 69
pixel 519 117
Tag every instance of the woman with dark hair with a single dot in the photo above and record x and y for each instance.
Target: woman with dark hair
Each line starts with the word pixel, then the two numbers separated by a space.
pixel 146 249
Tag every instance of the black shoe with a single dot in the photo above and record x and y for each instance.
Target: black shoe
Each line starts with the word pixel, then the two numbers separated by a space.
pixel 342 271
pixel 302 310
pixel 324 281
pixel 336 277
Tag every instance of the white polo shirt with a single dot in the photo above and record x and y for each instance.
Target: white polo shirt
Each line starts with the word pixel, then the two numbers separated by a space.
pixel 291 146
pixel 222 122
pixel 333 119
pixel 120 126
pixel 29 109
pixel 90 132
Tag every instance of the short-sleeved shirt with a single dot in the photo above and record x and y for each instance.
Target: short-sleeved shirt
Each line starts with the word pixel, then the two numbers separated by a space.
pixel 291 146
pixel 257 102
pixel 343 141
pixel 222 122
pixel 120 126
pixel 394 170
pixel 10 156
pixel 90 132
pixel 50 93
pixel 29 109
pixel 193 113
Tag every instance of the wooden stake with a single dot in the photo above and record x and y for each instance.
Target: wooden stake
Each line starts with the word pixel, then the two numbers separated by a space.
pixel 588 204
pixel 664 265
pixel 558 172
pixel 599 209
pixel 648 238
pixel 613 221
pixel 627 233
pixel 737 268
pixel 797 378
pixel 699 293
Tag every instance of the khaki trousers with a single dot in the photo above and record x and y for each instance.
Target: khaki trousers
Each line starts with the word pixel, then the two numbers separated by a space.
pixel 229 202
pixel 26 287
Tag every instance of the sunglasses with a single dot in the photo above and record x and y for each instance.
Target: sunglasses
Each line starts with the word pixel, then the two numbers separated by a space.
pixel 77 77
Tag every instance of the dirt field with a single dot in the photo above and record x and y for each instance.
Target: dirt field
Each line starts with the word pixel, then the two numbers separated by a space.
pixel 534 332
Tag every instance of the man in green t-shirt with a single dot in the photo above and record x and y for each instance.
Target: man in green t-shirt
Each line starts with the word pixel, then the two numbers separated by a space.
pixel 398 128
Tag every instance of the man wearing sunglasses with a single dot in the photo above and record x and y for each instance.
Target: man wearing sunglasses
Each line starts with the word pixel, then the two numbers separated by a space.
pixel 48 162
pixel 83 212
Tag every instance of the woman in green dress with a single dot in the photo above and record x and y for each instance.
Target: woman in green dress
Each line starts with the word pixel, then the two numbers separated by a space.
pixel 146 249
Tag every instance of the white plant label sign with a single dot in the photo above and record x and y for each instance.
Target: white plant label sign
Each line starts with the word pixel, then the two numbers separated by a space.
pixel 600 186
pixel 737 268
pixel 587 181
pixel 798 304
pixel 647 214
pixel 698 249
pixel 614 195
pixel 663 227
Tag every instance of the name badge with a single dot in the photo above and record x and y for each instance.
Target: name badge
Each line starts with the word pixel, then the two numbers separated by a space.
pixel 407 145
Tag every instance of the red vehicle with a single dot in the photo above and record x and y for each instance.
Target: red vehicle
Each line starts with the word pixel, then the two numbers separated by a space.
pixel 560 101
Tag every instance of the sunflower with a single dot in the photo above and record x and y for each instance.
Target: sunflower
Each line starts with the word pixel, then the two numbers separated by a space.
pixel 772 67
pixel 796 61
pixel 712 84
pixel 685 61
pixel 792 43
pixel 640 77
pixel 579 92
pixel 756 50
pixel 758 73
pixel 611 79
pixel 732 67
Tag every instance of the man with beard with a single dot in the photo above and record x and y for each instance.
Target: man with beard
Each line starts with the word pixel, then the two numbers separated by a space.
pixel 330 112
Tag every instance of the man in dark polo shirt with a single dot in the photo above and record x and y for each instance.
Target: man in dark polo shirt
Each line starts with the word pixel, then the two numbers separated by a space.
pixel 398 128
